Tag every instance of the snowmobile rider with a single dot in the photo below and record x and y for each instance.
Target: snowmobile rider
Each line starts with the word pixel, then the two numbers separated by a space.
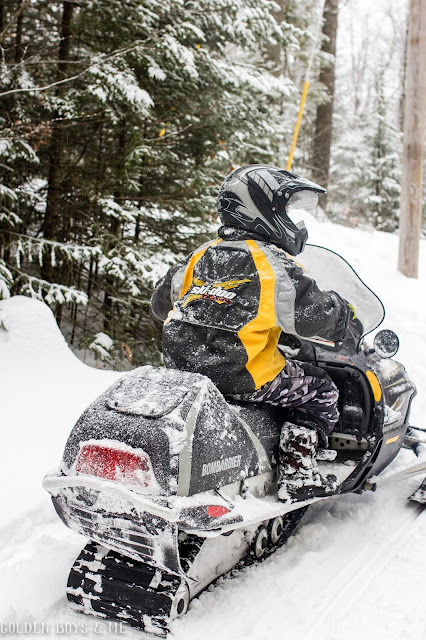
pixel 225 307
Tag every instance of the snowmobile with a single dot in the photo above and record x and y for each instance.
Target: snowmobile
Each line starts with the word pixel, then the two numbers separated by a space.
pixel 174 485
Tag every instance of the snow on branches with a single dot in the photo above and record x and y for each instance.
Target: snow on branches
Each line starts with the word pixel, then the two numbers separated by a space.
pixel 114 140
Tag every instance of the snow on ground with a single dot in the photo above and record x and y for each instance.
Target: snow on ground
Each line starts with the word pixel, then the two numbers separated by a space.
pixel 43 388
pixel 355 568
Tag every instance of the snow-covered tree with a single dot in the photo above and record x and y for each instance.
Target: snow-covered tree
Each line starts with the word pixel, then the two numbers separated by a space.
pixel 366 169
pixel 367 148
pixel 121 120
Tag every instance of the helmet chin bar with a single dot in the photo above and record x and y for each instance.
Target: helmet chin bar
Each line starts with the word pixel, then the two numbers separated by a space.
pixel 301 242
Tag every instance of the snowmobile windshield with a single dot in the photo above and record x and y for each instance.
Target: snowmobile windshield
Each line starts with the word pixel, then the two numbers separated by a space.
pixel 332 273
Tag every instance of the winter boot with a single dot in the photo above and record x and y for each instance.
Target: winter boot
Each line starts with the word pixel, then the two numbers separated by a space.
pixel 298 474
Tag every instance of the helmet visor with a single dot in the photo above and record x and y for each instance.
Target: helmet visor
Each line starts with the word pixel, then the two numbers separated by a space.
pixel 301 202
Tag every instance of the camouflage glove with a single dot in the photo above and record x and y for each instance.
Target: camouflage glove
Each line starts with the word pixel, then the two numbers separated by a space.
pixel 352 308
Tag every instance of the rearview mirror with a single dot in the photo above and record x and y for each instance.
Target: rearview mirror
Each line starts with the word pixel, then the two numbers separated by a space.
pixel 386 343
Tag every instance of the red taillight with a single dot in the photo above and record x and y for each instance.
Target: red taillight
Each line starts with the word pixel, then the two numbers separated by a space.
pixel 216 510
pixel 114 464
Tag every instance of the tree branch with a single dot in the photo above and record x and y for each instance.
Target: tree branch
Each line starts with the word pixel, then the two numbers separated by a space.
pixel 98 63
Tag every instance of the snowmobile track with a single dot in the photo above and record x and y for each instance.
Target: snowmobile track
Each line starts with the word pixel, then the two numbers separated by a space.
pixel 106 584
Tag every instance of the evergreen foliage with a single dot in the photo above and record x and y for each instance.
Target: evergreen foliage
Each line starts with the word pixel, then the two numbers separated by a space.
pixel 366 167
pixel 118 122
pixel 366 171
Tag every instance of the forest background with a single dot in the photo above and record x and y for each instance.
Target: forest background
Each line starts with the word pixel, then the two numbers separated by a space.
pixel 120 119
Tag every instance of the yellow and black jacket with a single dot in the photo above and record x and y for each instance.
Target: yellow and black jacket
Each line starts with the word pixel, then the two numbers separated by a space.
pixel 225 307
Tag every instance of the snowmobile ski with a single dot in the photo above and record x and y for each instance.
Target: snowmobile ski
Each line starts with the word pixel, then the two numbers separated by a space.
pixel 420 494
pixel 409 472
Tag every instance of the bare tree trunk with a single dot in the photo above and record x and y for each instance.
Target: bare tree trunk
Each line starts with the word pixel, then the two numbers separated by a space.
pixel 275 51
pixel 115 226
pixel 19 52
pixel 1 15
pixel 324 117
pixel 414 128
pixel 57 143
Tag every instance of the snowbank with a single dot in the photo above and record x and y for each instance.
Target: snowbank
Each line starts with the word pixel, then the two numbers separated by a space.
pixel 43 390
pixel 355 568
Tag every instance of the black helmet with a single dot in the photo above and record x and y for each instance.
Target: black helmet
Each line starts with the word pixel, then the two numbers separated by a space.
pixel 268 200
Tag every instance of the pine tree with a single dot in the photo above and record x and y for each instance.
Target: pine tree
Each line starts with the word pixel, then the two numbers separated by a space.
pixel 366 152
pixel 383 176
pixel 366 170
pixel 121 121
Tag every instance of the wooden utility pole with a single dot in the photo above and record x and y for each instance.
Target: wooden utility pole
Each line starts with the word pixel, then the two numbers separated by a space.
pixel 414 128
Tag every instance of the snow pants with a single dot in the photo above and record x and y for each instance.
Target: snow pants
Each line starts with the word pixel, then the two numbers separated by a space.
pixel 306 389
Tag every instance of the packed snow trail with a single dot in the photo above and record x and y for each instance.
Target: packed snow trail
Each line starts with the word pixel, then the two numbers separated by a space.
pixel 356 567
pixel 327 569
pixel 371 561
